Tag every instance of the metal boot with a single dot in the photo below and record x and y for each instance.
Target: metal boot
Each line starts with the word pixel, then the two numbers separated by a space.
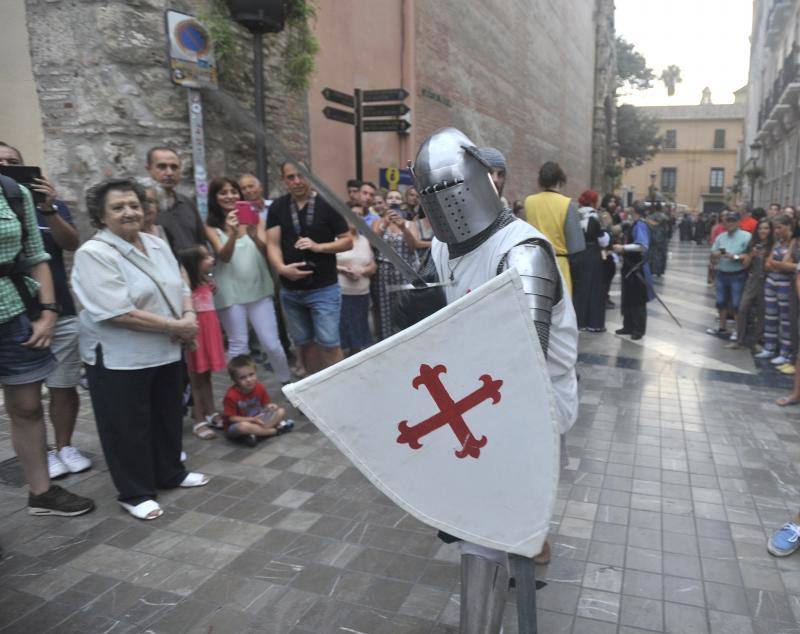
pixel 484 584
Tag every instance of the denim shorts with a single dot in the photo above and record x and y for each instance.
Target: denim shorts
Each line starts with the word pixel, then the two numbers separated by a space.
pixel 313 315
pixel 729 288
pixel 20 365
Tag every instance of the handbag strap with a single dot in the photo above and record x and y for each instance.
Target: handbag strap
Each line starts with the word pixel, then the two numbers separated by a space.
pixel 174 312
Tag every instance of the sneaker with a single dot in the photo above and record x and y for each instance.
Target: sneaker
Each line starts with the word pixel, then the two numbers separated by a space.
pixel 622 331
pixel 779 360
pixel 787 368
pixel 784 541
pixel 733 346
pixel 58 501
pixel 55 467
pixel 764 354
pixel 285 426
pixel 183 456
pixel 74 460
pixel 717 332
pixel 251 440
pixel 734 336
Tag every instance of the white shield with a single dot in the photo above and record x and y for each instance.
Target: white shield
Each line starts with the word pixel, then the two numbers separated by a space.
pixel 452 419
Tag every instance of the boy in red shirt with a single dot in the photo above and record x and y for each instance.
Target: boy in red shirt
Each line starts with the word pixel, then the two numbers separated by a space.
pixel 249 414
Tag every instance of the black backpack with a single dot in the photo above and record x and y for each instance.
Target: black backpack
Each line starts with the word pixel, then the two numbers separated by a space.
pixel 16 270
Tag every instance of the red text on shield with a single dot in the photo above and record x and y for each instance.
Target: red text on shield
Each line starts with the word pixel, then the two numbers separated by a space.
pixel 450 411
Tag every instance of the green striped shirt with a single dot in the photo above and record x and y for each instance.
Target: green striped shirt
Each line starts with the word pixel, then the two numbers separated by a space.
pixel 10 243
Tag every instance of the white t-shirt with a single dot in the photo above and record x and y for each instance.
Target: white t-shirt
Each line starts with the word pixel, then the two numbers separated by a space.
pixel 359 256
pixel 479 266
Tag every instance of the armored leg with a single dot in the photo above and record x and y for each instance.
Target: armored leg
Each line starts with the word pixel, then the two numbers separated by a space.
pixel 484 585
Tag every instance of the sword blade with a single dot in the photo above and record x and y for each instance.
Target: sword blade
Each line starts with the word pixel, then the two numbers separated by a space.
pixel 229 105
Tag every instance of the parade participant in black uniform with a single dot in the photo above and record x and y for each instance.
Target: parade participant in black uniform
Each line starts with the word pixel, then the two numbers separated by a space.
pixel 636 283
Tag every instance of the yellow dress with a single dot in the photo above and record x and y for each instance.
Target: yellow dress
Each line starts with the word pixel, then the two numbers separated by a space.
pixel 547 212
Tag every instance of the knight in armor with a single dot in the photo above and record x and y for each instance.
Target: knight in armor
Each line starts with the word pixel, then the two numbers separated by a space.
pixel 477 238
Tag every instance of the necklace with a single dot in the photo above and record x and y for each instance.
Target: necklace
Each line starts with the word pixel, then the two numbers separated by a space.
pixel 453 269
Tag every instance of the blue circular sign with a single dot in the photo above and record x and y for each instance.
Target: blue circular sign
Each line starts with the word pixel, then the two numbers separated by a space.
pixel 192 37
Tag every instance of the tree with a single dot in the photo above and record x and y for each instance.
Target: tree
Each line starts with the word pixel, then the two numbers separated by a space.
pixel 632 70
pixel 671 75
pixel 637 135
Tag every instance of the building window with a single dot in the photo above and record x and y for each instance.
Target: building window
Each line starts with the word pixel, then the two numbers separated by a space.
pixel 669 177
pixel 719 139
pixel 717 180
pixel 671 139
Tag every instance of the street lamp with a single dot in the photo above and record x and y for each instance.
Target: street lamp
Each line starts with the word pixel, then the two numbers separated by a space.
pixel 755 153
pixel 652 190
pixel 259 17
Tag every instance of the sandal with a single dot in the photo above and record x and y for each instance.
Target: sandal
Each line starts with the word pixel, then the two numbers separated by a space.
pixel 785 401
pixel 203 431
pixel 193 479
pixel 215 420
pixel 147 510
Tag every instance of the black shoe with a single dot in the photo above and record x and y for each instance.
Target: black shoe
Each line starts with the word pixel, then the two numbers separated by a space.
pixel 285 426
pixel 622 331
pixel 58 501
pixel 636 336
pixel 251 440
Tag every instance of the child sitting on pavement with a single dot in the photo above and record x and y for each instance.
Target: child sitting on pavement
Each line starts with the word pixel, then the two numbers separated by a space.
pixel 249 415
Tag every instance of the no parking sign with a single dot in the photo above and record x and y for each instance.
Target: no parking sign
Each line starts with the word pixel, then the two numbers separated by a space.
pixel 191 52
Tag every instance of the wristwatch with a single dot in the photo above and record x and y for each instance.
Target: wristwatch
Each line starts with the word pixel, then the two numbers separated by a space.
pixel 51 211
pixel 737 256
pixel 54 308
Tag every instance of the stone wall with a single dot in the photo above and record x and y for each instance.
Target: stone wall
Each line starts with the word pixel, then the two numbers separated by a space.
pixel 604 138
pixel 106 97
pixel 514 74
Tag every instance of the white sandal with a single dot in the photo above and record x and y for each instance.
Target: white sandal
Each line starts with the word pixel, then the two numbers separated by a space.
pixel 144 510
pixel 203 431
pixel 215 420
pixel 193 479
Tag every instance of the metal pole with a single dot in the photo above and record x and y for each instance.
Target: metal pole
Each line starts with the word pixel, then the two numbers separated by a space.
pixel 358 125
pixel 198 150
pixel 261 148
pixel 524 571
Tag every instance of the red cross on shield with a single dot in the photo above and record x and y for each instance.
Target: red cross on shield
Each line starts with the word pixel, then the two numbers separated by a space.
pixel 452 419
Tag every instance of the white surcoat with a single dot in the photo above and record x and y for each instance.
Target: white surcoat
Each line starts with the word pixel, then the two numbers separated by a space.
pixel 479 266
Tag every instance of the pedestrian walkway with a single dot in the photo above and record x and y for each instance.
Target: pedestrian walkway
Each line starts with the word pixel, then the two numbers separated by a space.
pixel 679 468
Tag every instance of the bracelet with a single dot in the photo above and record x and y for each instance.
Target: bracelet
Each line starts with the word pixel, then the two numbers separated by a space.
pixel 190 310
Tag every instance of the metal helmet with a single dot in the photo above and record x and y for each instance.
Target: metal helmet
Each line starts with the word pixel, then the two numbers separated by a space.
pixel 454 186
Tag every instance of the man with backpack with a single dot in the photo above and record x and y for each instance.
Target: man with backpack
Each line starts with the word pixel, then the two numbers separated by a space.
pixel 28 314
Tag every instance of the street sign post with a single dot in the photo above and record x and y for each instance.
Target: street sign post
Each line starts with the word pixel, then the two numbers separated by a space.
pixel 361 116
pixel 334 114
pixel 385 94
pixel 192 65
pixel 386 110
pixel 338 97
pixel 386 125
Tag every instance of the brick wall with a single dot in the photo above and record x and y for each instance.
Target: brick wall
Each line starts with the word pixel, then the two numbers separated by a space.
pixel 514 74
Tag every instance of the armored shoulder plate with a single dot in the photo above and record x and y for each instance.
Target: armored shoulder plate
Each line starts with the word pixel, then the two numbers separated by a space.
pixel 536 265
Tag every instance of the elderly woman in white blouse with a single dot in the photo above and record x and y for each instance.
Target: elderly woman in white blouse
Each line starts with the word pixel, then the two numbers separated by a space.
pixel 137 311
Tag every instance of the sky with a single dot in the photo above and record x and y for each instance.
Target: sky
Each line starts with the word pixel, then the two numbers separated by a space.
pixel 708 39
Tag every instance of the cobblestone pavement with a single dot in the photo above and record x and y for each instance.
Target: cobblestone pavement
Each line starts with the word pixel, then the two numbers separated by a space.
pixel 679 468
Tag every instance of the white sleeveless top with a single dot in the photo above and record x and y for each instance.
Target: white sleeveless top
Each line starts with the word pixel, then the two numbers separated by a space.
pixel 479 266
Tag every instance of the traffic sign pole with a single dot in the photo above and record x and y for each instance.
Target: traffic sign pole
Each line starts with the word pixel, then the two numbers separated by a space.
pixel 358 108
pixel 198 150
pixel 261 146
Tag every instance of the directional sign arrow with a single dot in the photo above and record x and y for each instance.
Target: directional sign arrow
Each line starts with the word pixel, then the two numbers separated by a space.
pixel 337 96
pixel 339 115
pixel 386 94
pixel 386 110
pixel 386 125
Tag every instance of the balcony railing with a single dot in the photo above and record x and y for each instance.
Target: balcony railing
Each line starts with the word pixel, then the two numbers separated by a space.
pixel 788 74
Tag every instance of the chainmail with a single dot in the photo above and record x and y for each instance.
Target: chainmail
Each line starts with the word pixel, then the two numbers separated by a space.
pixel 504 218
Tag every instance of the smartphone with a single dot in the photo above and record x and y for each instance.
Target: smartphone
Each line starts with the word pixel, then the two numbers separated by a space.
pixel 722 251
pixel 309 266
pixel 245 213
pixel 25 175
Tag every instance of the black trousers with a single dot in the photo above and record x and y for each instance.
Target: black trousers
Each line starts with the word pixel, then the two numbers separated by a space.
pixel 139 421
pixel 634 318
